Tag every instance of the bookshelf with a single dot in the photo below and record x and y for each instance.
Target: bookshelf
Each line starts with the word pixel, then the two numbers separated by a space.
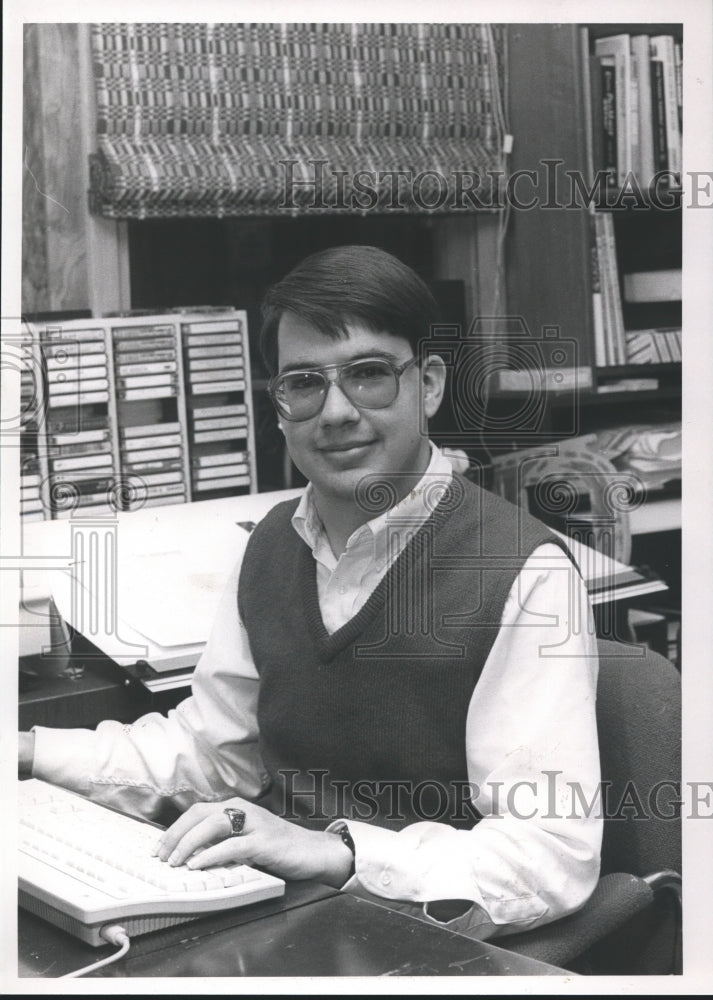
pixel 560 251
pixel 134 411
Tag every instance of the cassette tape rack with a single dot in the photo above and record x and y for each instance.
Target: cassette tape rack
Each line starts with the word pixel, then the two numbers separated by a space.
pixel 137 411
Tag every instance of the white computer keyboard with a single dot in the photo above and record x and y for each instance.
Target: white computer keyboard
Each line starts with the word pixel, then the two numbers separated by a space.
pixel 83 866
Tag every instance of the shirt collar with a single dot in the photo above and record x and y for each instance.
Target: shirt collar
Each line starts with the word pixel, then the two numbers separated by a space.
pixel 411 512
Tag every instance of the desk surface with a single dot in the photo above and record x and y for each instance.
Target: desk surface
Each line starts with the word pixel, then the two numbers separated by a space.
pixel 190 549
pixel 314 931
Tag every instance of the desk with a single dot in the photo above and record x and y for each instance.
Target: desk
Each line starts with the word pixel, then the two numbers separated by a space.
pixel 189 549
pixel 313 931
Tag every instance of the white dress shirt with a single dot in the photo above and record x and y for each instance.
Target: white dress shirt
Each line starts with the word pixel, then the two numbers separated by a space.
pixel 531 742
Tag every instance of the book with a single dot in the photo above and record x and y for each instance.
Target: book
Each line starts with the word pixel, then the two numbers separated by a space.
pixel 612 280
pixel 662 48
pixel 80 437
pixel 641 62
pixel 619 46
pixel 600 352
pixel 608 119
pixel 664 285
pixel 658 116
pixel 653 346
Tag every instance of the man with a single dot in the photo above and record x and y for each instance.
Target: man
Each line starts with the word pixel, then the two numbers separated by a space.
pixel 400 658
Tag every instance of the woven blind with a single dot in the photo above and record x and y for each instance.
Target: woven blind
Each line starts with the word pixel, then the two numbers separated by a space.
pixel 228 119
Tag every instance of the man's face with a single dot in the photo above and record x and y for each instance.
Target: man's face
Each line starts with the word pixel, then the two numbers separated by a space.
pixel 337 448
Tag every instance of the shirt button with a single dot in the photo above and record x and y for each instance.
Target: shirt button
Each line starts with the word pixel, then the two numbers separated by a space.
pixel 342 590
pixel 385 879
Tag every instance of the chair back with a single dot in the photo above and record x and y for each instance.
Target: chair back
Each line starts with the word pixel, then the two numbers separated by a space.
pixel 639 726
pixel 555 481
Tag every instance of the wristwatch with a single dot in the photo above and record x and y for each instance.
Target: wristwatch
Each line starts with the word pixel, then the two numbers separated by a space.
pixel 343 832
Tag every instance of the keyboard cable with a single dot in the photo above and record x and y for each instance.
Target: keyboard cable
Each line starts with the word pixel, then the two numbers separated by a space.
pixel 114 934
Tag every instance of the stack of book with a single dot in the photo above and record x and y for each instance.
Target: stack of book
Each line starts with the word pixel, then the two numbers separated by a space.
pixel 636 91
pixel 151 441
pixel 79 438
pixel 216 379
pixel 657 346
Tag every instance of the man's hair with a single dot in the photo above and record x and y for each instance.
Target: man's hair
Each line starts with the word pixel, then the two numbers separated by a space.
pixel 343 285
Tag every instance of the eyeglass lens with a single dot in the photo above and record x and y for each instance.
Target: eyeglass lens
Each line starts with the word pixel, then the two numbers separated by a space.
pixel 371 384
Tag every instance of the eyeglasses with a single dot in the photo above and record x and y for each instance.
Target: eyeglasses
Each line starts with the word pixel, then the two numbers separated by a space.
pixel 369 383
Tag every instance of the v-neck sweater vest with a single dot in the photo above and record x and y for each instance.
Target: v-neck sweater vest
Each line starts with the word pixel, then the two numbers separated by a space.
pixel 369 722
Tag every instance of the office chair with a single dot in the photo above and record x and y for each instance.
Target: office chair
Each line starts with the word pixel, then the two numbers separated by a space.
pixel 632 922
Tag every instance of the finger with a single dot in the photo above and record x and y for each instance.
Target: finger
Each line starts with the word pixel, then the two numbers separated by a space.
pixel 175 833
pixel 208 831
pixel 234 849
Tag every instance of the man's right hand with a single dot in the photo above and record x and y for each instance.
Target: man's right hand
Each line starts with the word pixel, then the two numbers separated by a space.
pixel 25 752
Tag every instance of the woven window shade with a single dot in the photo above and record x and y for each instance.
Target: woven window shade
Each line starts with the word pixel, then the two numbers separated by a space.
pixel 227 119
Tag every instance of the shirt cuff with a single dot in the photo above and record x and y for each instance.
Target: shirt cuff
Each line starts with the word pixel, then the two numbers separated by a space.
pixel 64 760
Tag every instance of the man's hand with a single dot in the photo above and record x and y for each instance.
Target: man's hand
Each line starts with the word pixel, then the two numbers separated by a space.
pixel 25 752
pixel 201 838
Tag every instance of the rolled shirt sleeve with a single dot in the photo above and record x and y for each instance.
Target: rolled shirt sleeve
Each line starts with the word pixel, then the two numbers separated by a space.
pixel 205 749
pixel 533 766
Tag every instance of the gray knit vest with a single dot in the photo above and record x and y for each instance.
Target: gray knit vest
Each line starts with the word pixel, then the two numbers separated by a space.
pixel 369 723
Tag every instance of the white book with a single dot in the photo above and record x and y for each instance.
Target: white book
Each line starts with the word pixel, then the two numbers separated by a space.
pixel 654 286
pixel 221 471
pixel 640 48
pixel 65 374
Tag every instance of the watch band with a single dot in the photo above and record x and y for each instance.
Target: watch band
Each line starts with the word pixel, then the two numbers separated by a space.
pixel 343 832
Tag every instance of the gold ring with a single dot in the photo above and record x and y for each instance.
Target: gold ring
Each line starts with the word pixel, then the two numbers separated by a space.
pixel 237 821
